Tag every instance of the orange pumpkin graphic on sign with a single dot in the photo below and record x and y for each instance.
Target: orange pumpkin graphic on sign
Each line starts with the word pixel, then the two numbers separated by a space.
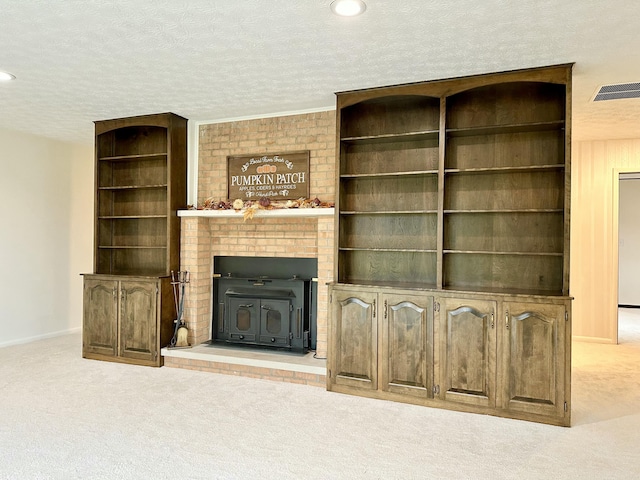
pixel 266 169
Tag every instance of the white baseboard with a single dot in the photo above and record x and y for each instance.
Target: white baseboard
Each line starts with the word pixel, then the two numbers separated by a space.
pixel 577 338
pixel 35 338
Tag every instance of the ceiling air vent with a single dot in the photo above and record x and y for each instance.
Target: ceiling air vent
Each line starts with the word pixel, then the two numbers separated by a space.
pixel 616 92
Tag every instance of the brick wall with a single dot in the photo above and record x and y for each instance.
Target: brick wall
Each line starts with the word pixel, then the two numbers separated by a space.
pixel 313 131
pixel 204 238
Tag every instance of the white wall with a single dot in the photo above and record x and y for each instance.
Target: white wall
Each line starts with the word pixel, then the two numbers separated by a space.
pixel 594 234
pixel 629 242
pixel 46 217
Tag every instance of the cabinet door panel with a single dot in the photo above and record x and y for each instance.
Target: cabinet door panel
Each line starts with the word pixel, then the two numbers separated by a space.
pixel 100 311
pixel 407 347
pixel 138 320
pixel 534 358
pixel 467 351
pixel 355 338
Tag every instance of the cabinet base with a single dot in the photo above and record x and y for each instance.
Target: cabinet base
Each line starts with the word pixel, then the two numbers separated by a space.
pixel 435 403
pixel 129 361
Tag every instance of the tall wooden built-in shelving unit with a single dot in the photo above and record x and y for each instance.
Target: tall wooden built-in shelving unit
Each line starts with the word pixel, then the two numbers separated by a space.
pixel 140 185
pixel 452 250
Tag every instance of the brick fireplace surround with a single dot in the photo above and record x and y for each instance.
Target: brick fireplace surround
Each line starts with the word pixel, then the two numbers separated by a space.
pixel 205 234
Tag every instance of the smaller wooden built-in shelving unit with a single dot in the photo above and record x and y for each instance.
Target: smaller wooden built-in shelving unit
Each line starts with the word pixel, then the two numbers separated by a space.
pixel 140 185
pixel 452 245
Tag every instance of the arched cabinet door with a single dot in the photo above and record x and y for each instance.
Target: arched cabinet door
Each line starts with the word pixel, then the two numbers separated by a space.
pixel 467 351
pixel 533 358
pixel 125 319
pixel 138 319
pixel 100 304
pixel 406 363
pixel 354 340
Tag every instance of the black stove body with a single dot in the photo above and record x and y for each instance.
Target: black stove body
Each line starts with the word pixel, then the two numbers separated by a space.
pixel 267 310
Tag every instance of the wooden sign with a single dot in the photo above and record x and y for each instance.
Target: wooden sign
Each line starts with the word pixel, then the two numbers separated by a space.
pixel 282 176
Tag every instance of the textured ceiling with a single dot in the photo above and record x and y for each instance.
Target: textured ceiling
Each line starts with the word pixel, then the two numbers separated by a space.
pixel 82 60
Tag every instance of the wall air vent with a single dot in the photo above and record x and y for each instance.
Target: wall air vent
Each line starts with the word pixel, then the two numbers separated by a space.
pixel 616 92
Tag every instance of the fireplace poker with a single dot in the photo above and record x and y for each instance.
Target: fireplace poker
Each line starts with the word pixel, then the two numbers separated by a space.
pixel 178 281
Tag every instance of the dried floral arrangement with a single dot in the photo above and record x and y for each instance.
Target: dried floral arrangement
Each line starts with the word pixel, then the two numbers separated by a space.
pixel 249 207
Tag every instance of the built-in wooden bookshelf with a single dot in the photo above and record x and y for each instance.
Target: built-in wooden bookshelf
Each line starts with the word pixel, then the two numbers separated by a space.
pixel 140 172
pixel 459 190
pixel 140 183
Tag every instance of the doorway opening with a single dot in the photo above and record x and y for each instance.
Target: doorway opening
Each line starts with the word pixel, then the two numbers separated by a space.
pixel 626 241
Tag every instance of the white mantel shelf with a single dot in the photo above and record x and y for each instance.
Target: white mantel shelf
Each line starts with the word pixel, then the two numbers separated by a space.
pixel 260 213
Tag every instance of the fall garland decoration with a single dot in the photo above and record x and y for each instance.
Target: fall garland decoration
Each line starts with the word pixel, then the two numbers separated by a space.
pixel 249 207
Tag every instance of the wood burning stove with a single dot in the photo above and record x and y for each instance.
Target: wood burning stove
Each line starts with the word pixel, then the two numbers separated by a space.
pixel 276 310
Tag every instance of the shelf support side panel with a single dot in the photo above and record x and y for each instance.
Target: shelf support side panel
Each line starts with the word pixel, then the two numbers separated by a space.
pixel 442 142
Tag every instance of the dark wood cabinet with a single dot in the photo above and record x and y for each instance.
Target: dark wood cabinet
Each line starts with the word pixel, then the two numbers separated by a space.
pixel 355 330
pixel 459 191
pixel 126 319
pixel 100 315
pixel 139 317
pixel 140 183
pixel 382 341
pixel 406 360
pixel 467 351
pixel 505 356
pixel 535 351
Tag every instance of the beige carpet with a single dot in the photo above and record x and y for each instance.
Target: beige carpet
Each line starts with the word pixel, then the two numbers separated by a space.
pixel 63 417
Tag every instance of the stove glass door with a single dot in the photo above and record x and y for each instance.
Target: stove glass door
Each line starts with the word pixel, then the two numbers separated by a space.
pixel 275 322
pixel 244 318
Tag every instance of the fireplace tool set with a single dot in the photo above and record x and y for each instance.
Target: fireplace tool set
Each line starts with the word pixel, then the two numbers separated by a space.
pixel 179 281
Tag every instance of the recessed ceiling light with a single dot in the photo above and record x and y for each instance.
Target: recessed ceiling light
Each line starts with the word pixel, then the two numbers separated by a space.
pixel 5 76
pixel 348 8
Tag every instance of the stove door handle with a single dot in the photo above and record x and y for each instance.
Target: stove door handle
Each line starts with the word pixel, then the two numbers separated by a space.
pixel 266 307
pixel 248 305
